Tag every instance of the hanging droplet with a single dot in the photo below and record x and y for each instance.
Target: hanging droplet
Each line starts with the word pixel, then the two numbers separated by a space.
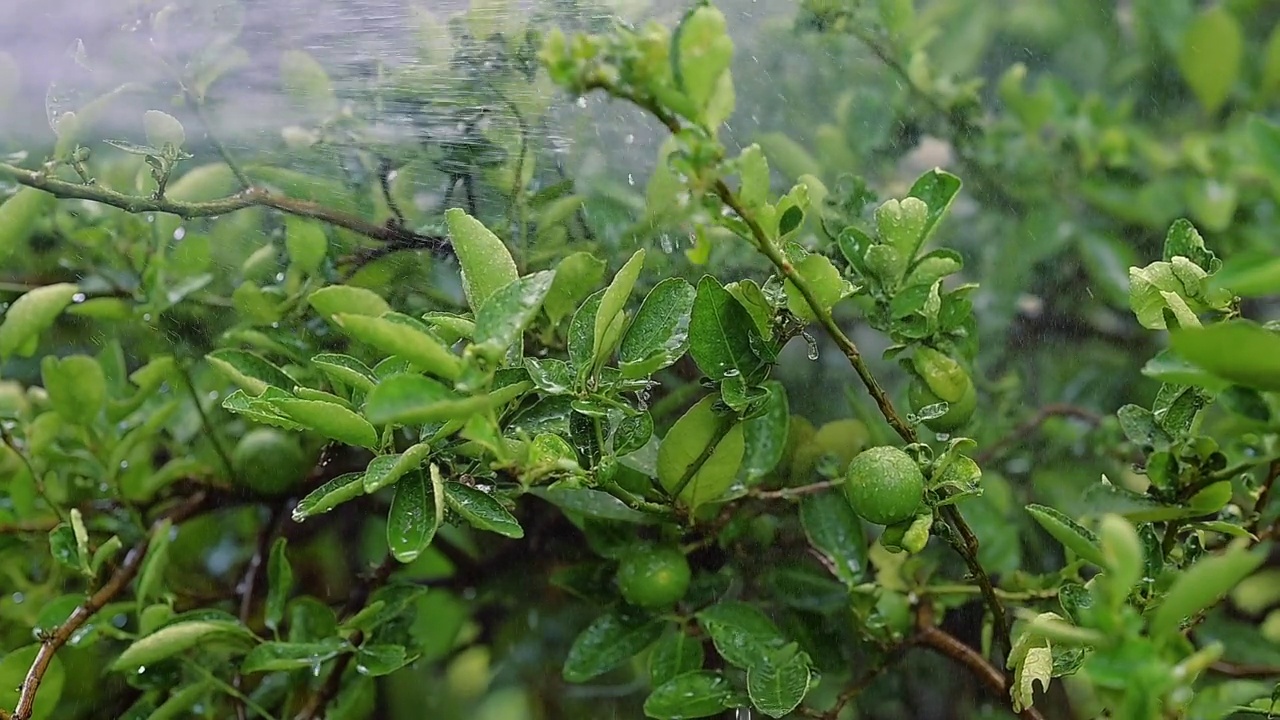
pixel 812 342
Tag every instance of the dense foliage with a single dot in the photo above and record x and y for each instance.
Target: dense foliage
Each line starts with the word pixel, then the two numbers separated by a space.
pixel 419 406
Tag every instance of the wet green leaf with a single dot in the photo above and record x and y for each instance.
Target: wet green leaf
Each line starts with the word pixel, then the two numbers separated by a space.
pixel 612 303
pixel 177 638
pixel 692 695
pixel 333 299
pixel 577 276
pixel 608 642
pixel 659 334
pixel 31 315
pixel 779 683
pixel 1237 350
pixel 329 496
pixel 834 530
pixel 249 371
pixel 1204 584
pixel 277 656
pixel 700 456
pixel 1072 535
pixel 330 420
pixel 722 335
pixel 508 312
pixel 18 217
pixel 742 633
pixel 486 263
pixel 482 510
pixel 416 512
pixel 394 338
pixel 279 585
pixel 675 654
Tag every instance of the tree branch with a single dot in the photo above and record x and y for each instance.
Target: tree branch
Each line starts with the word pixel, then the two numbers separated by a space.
pixel 314 709
pixel 115 585
pixel 940 641
pixel 968 545
pixel 250 197
pixel 994 450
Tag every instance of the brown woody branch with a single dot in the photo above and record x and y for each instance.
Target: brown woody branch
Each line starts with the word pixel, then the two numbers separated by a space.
pixel 314 709
pixel 994 450
pixel 931 636
pixel 250 197
pixel 115 585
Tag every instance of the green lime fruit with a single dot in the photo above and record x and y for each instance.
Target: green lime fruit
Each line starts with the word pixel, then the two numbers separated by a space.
pixel 270 461
pixel 654 577
pixel 884 485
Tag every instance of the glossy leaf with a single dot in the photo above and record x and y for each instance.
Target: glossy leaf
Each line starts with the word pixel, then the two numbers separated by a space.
pixel 346 369
pixel 722 336
pixel 416 512
pixel 175 639
pixel 277 656
pixel 507 313
pixel 835 531
pixel 674 655
pixel 1071 534
pixel 486 263
pixel 403 341
pixel 612 303
pixel 329 496
pixel 659 333
pixel 18 217
pixel 591 503
pixel 408 399
pixel 938 189
pixel 692 695
pixel 333 299
pixel 765 436
pixel 482 510
pixel 608 642
pixel 778 685
pixel 386 470
pixel 251 372
pixel 30 315
pixel 742 633
pixel 700 456
pixel 330 420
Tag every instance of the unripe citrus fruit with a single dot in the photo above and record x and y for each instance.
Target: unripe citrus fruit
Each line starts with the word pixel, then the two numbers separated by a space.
pixel 270 461
pixel 654 577
pixel 884 485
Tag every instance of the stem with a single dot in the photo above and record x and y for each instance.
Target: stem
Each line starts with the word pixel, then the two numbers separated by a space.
pixel 314 708
pixel 250 197
pixel 115 585
pixel 248 585
pixel 721 431
pixel 795 492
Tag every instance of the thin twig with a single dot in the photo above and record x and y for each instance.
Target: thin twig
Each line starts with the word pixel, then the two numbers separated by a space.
pixel 248 584
pixel 938 640
pixel 314 708
pixel 795 492
pixel 1235 670
pixel 251 197
pixel 1264 498
pixel 115 585
pixel 994 450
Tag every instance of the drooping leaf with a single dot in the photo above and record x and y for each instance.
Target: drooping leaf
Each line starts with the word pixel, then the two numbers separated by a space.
pixel 330 420
pixel 779 682
pixel 765 436
pixel 692 695
pixel 276 656
pixel 177 638
pixel 700 456
pixel 416 512
pixel 482 510
pixel 608 642
pixel 1072 535
pixel 333 299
